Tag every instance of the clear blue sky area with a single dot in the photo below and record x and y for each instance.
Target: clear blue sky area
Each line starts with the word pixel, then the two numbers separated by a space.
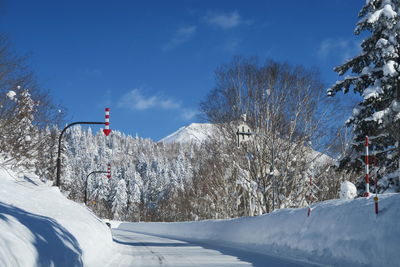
pixel 152 62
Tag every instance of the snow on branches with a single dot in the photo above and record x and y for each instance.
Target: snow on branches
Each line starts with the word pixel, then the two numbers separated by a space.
pixel 376 78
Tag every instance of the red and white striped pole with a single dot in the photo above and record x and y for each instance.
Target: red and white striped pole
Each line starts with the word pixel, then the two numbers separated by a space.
pixel 109 171
pixel 366 194
pixel 107 129
pixel 376 199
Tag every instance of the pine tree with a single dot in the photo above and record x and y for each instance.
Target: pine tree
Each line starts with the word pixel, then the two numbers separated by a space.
pixel 376 79
pixel 119 206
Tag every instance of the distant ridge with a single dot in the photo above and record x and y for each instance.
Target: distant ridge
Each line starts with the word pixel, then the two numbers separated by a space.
pixel 193 133
pixel 200 132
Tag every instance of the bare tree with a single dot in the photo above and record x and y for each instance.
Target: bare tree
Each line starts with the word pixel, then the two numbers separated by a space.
pixel 282 104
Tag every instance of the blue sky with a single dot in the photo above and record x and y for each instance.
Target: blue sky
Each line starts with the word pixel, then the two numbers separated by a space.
pixel 152 62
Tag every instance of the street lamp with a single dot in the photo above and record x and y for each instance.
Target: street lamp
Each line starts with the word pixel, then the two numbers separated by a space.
pixel 106 131
pixel 86 182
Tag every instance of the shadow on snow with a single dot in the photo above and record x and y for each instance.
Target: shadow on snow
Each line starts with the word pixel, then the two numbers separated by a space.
pixel 55 246
pixel 255 258
pixel 152 244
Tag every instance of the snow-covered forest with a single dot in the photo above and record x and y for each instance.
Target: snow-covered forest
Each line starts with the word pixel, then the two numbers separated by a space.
pixel 177 181
pixel 284 164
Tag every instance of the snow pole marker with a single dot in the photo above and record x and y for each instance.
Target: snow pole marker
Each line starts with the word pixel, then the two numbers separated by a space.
pixel 107 129
pixel 109 171
pixel 367 193
pixel 376 199
pixel 309 198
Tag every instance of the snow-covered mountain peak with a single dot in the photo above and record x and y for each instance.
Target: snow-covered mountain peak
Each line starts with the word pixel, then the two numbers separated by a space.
pixel 193 133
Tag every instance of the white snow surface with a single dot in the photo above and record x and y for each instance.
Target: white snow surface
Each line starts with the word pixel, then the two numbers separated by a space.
pixel 136 249
pixel 195 132
pixel 389 68
pixel 40 227
pixel 372 91
pixel 338 232
pixel 386 11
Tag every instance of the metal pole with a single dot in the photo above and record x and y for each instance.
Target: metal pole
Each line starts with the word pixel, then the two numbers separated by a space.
pixel 273 178
pixel 86 183
pixel 366 194
pixel 309 197
pixel 59 146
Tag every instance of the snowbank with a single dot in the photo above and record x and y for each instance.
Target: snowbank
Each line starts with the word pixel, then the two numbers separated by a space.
pixel 338 232
pixel 40 227
pixel 114 224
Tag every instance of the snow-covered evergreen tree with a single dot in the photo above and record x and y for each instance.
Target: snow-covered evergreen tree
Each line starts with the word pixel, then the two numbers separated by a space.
pixel 119 206
pixel 376 78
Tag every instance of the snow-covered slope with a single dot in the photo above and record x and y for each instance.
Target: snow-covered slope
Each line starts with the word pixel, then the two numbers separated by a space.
pixel 40 227
pixel 195 132
pixel 338 232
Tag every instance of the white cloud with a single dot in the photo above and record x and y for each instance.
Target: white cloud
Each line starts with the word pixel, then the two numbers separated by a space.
pixel 135 100
pixel 188 114
pixel 182 35
pixel 223 20
pixel 345 49
pixel 232 45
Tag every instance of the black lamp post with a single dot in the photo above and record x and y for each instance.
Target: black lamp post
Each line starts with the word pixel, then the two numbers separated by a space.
pixel 59 146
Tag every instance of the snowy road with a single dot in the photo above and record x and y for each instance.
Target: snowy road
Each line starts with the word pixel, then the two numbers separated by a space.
pixel 134 249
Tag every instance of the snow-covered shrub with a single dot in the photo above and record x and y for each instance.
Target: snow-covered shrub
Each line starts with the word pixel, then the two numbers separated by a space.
pixel 25 112
pixel 347 190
